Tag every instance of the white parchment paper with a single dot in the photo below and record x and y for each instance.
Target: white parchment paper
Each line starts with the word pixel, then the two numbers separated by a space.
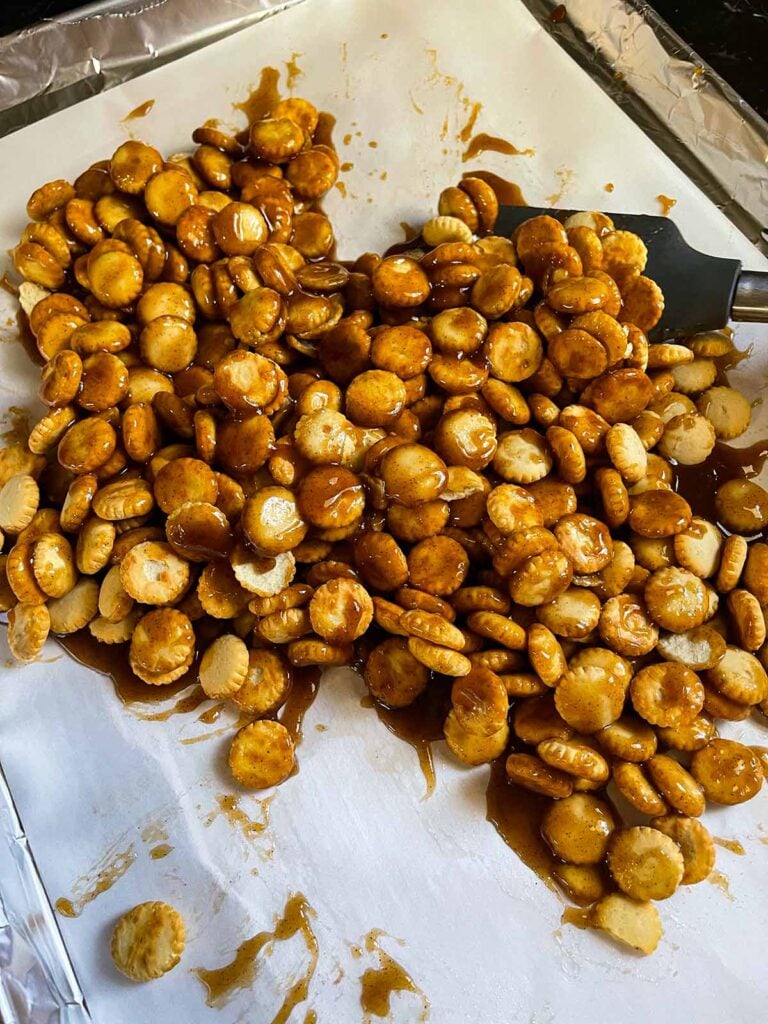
pixel 481 933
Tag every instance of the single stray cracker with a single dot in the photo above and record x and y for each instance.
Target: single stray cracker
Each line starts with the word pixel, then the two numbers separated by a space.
pixel 148 941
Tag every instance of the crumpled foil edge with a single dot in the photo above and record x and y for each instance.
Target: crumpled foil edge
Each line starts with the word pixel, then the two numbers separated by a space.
pixel 37 981
pixel 683 105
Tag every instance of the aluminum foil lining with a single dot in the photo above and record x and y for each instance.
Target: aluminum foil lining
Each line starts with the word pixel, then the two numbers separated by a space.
pixel 59 61
pixel 37 982
pixel 688 110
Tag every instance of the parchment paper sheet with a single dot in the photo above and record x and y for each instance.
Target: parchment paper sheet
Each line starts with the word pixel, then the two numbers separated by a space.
pixel 481 933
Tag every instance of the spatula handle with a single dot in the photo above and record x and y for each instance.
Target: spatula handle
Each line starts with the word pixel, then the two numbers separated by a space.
pixel 750 299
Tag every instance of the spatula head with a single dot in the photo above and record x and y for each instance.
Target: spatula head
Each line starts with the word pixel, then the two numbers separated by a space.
pixel 698 289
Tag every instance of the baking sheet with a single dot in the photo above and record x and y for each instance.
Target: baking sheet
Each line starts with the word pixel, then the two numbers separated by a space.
pixel 98 789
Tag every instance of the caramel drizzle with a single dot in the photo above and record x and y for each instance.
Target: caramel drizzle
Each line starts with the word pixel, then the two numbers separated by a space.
pixel 229 807
pixel 241 972
pixel 378 984
pixel 112 866
pixel 484 143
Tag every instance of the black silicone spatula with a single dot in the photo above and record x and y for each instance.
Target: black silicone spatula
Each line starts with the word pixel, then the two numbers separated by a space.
pixel 701 293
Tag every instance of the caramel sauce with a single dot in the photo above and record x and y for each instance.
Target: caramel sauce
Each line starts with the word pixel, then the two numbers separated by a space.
pixel 483 143
pixel 112 661
pixel 224 982
pixel 418 725
pixel 16 424
pixel 293 71
pixel 27 339
pixel 324 132
pixel 158 852
pixel 516 815
pixel 302 694
pixel 229 807
pixel 720 881
pixel 409 231
pixel 183 706
pixel 377 985
pixel 558 14
pixel 261 100
pixel 565 174
pixel 6 285
pixel 730 360
pixel 466 132
pixel 579 917
pixel 103 876
pixel 698 484
pixel 141 111
pixel 507 192
pixel 212 714
pixel 729 844
pixel 609 186
pixel 154 832
pixel 311 1017
pixel 666 203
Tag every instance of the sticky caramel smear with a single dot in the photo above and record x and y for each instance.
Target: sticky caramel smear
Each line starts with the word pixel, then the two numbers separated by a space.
pixel 666 203
pixel 483 143
pixel 15 423
pixel 507 192
pixel 112 866
pixel 324 132
pixel 377 985
pixel 300 699
pixel 141 111
pixel 223 983
pixel 418 725
pixel 183 706
pixel 466 132
pixel 261 100
pixel 6 285
pixel 516 815
pixel 293 71
pixel 212 714
pixel 154 832
pixel 724 463
pixel 729 844
pixel 414 104
pixel 228 805
pixel 579 917
pixel 161 851
pixel 720 881
pixel 558 14
pixel 566 176
pixel 609 186
pixel 112 661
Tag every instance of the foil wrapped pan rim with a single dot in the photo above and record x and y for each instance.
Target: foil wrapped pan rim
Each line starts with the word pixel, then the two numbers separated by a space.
pixel 683 105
